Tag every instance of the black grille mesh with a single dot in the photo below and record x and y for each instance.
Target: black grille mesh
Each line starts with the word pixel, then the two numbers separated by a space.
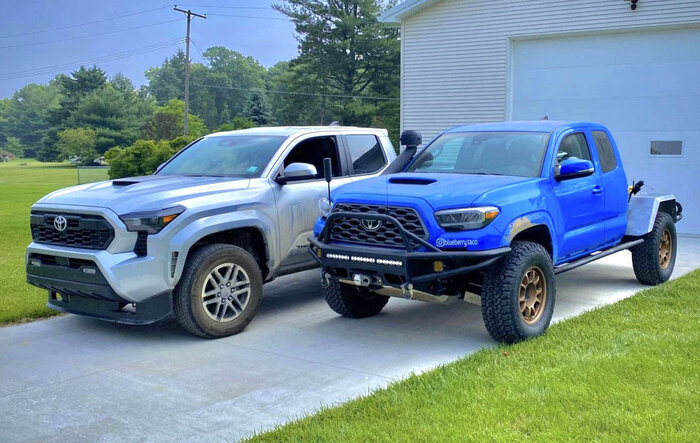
pixel 350 229
pixel 82 230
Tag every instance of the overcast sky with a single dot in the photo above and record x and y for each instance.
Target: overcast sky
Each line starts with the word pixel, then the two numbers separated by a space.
pixel 39 39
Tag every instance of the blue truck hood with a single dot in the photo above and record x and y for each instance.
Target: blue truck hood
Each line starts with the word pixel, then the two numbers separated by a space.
pixel 439 190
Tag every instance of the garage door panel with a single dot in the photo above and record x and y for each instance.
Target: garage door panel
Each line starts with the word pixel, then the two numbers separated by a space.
pixel 645 86
pixel 642 114
pixel 611 49
pixel 663 80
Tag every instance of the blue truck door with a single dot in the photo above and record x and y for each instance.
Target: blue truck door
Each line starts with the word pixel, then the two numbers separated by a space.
pixel 614 183
pixel 580 202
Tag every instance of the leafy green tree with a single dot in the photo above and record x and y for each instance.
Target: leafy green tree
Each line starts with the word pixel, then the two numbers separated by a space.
pixel 14 146
pixel 116 115
pixel 236 123
pixel 257 109
pixel 141 158
pixel 79 143
pixel 168 122
pixel 346 49
pixel 73 89
pixel 167 81
pixel 26 115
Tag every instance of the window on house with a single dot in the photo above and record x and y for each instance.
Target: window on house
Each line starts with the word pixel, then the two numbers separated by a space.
pixel 666 148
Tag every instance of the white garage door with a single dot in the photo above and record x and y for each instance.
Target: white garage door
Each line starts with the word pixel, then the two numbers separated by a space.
pixel 645 86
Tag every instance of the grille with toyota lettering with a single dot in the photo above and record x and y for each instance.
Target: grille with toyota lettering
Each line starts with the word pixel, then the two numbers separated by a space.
pixel 352 230
pixel 81 230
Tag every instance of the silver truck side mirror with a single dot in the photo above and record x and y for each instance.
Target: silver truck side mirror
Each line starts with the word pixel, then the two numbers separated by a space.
pixel 298 172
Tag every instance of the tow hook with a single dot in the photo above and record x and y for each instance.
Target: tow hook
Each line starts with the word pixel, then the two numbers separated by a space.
pixel 362 280
pixel 367 281
pixel 407 289
pixel 325 280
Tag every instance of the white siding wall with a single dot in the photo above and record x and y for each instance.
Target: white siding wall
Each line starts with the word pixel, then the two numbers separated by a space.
pixel 455 52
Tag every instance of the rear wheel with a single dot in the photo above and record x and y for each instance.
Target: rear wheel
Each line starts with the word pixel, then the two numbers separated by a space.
pixel 353 302
pixel 653 260
pixel 517 300
pixel 219 292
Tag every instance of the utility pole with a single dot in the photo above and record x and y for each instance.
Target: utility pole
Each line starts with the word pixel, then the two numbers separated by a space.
pixel 189 15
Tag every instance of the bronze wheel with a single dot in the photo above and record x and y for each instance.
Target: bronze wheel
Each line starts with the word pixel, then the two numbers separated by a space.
pixel 533 295
pixel 665 249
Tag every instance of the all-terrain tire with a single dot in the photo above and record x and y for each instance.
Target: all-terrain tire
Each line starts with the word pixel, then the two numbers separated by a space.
pixel 353 302
pixel 188 302
pixel 646 257
pixel 500 297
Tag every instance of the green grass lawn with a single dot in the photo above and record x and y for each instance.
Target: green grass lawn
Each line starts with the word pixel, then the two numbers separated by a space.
pixel 625 372
pixel 23 182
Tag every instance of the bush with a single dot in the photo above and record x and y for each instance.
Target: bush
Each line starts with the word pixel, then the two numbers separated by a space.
pixel 141 158
pixel 14 146
pixel 144 156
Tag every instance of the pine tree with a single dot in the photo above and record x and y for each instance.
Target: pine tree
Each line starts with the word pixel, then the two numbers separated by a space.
pixel 257 109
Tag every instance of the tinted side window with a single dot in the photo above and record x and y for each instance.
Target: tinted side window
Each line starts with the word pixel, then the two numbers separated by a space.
pixel 574 145
pixel 605 151
pixel 365 153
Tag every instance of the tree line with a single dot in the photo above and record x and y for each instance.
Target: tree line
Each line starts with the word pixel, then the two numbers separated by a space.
pixel 347 70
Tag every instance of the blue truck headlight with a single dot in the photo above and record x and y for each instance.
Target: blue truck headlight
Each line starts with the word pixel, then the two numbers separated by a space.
pixel 151 221
pixel 325 207
pixel 464 219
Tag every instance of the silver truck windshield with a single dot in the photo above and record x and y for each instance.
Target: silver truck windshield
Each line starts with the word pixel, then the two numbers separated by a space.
pixel 226 156
pixel 493 153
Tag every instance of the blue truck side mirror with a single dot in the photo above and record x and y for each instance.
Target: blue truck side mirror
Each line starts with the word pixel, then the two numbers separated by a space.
pixel 573 168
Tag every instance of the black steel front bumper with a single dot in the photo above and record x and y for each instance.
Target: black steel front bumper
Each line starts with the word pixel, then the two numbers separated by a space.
pixel 395 267
pixel 78 287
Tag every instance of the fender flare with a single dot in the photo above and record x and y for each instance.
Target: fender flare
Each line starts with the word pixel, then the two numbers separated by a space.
pixel 527 221
pixel 183 241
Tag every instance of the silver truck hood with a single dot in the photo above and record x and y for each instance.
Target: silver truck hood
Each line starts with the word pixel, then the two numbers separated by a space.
pixel 143 193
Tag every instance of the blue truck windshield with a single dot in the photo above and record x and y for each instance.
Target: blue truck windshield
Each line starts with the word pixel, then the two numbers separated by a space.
pixel 226 155
pixel 493 153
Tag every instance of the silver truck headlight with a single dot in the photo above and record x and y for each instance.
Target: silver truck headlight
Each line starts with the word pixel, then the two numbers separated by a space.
pixel 466 218
pixel 151 221
pixel 325 206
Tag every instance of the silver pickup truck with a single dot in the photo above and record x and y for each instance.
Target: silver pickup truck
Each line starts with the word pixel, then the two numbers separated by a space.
pixel 200 236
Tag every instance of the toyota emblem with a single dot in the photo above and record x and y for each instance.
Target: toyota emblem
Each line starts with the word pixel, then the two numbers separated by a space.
pixel 371 224
pixel 60 223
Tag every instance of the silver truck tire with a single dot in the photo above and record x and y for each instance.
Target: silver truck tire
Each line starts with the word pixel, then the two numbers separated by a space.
pixel 350 301
pixel 653 260
pixel 219 292
pixel 517 297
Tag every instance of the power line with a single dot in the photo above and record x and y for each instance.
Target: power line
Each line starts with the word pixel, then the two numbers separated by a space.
pixel 94 60
pixel 91 35
pixel 250 16
pixel 144 11
pixel 308 94
pixel 228 7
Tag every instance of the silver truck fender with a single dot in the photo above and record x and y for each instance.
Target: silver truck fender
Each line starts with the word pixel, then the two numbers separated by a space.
pixel 642 210
pixel 198 229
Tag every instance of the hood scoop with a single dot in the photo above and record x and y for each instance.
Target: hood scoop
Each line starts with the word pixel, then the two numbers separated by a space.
pixel 135 180
pixel 126 182
pixel 412 180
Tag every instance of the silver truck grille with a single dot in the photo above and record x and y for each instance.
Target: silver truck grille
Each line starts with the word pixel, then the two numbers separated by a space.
pixel 79 231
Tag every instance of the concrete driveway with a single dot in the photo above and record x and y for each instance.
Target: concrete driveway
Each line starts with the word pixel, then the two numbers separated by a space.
pixel 75 379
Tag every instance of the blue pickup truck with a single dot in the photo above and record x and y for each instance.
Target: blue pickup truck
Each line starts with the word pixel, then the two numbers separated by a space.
pixel 495 210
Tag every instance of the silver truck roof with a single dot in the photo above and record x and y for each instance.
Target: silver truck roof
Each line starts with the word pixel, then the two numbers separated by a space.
pixel 294 130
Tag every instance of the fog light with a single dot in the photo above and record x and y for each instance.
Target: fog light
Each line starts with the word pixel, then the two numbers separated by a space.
pixel 438 266
pixel 92 271
pixel 34 262
pixel 319 253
